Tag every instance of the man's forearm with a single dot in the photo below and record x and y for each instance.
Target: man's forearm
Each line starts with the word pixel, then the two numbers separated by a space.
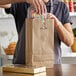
pixel 3 2
pixel 65 35
pixel 5 6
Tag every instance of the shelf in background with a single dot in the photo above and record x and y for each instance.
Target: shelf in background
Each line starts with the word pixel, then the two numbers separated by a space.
pixel 69 55
pixel 6 16
pixel 72 13
pixel 10 57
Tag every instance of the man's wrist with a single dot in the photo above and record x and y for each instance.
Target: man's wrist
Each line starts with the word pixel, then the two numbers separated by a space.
pixel 58 25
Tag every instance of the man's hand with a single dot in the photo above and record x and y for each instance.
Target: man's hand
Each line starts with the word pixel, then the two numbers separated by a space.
pixel 64 31
pixel 56 21
pixel 39 5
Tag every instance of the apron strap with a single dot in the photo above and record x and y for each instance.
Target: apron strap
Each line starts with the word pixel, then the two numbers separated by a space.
pixel 51 9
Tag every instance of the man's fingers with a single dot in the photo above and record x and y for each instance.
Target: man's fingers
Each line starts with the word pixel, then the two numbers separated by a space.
pixel 35 6
pixel 49 15
pixel 38 6
pixel 45 10
pixel 41 6
pixel 44 6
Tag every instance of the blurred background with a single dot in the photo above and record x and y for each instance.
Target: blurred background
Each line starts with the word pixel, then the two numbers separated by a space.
pixel 9 37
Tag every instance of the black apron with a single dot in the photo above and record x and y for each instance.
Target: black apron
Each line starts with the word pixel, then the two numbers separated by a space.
pixel 19 55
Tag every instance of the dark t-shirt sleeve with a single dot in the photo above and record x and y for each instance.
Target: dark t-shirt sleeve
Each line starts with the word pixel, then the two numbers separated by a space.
pixel 65 15
pixel 12 9
pixel 19 11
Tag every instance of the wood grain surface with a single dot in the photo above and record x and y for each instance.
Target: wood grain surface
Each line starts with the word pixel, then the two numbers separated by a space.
pixel 58 70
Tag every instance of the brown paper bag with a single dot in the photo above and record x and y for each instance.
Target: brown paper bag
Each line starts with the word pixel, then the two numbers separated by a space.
pixel 39 42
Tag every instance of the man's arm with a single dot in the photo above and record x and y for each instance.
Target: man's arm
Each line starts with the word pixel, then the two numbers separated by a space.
pixel 39 5
pixel 5 6
pixel 64 31
pixel 3 2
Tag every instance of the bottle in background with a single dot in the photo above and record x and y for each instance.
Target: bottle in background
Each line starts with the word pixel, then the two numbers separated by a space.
pixel 67 3
pixel 74 6
pixel 71 5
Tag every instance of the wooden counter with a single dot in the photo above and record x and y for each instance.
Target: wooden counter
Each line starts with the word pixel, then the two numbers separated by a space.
pixel 58 70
